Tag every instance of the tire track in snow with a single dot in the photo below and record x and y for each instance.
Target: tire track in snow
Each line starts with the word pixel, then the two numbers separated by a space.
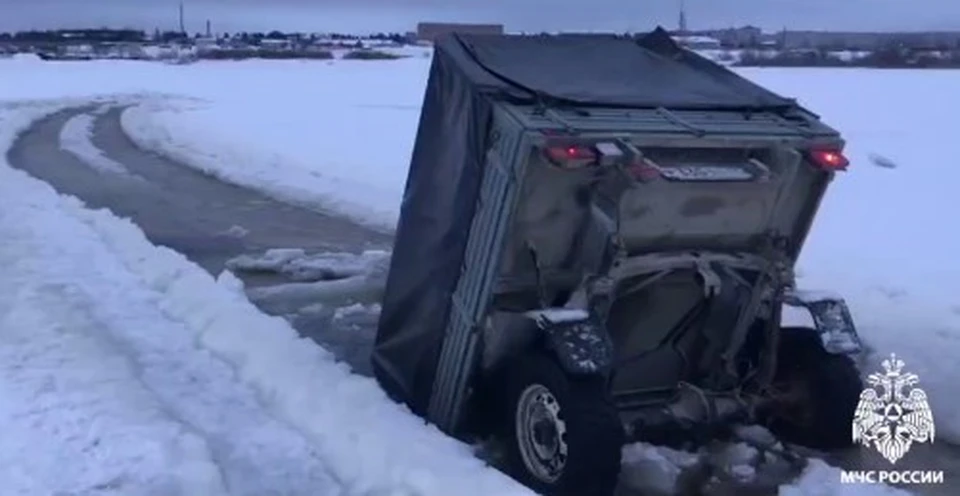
pixel 75 138
pixel 258 455
pixel 74 416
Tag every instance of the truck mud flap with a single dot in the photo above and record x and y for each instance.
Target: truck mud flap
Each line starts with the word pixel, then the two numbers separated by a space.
pixel 582 347
pixel 832 319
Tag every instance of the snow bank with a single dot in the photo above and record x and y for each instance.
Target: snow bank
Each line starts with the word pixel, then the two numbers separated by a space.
pixel 658 470
pixel 346 127
pixel 68 395
pixel 820 479
pixel 261 169
pixel 114 358
pixel 347 130
pixel 75 138
pixel 732 468
pixel 369 444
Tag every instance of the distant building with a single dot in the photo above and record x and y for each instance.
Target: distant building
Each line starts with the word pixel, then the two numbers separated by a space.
pixel 746 36
pixel 206 44
pixel 128 50
pixel 429 31
pixel 83 50
pixel 698 42
pixel 870 41
pixel 276 44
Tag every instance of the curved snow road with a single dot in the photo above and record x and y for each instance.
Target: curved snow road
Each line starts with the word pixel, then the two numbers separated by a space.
pixel 211 424
pixel 208 221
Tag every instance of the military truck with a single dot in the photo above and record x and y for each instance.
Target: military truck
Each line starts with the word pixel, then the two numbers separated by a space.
pixel 596 245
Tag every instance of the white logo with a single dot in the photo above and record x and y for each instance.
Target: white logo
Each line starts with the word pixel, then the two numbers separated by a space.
pixel 893 420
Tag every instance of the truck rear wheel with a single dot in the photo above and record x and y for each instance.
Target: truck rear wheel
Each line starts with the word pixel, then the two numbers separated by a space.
pixel 816 393
pixel 563 435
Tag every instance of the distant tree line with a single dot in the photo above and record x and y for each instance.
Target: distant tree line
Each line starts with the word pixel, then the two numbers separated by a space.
pixel 885 58
pixel 132 35
pixel 245 53
pixel 69 35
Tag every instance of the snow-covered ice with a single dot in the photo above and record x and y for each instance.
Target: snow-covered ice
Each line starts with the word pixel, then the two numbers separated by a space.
pixel 365 151
pixel 291 297
pixel 329 279
pixel 298 265
pixel 883 239
pixel 820 479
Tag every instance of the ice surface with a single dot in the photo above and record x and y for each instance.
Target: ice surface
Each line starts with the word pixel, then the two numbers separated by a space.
pixel 296 264
pixel 272 260
pixel 329 279
pixel 290 297
pixel 356 172
pixel 75 138
pixel 357 308
pixel 265 408
pixel 879 241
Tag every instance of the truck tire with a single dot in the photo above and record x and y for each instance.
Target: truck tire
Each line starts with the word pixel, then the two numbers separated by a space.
pixel 562 435
pixel 821 390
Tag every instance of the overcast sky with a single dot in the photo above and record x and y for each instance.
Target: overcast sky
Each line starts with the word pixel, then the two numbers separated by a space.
pixel 517 15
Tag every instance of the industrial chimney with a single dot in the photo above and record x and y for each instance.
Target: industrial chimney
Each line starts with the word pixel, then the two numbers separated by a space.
pixel 183 29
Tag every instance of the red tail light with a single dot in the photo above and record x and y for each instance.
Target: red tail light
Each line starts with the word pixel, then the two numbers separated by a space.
pixel 829 159
pixel 571 156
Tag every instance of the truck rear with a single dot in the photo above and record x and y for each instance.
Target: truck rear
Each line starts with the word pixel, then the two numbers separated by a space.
pixel 588 258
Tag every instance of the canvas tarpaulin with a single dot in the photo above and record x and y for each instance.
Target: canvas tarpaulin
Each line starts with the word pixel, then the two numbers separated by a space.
pixel 468 75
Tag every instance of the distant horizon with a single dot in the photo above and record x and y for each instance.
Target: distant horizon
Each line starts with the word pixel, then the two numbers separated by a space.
pixel 371 16
pixel 413 29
